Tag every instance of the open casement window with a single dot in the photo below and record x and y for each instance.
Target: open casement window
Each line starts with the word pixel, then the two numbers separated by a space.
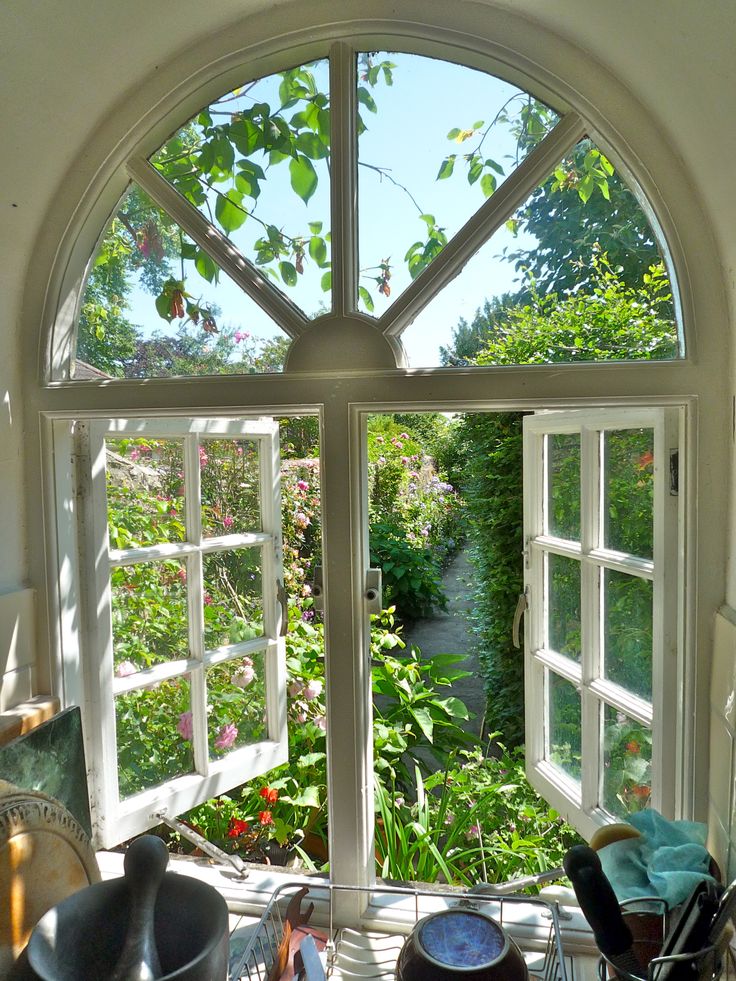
pixel 182 641
pixel 602 514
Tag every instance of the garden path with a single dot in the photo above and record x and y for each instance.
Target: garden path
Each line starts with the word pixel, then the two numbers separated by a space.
pixel 449 632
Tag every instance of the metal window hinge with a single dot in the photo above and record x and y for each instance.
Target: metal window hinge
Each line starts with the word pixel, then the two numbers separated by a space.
pixel 207 847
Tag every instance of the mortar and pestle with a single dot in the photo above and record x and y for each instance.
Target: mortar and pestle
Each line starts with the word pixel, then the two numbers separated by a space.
pixel 151 924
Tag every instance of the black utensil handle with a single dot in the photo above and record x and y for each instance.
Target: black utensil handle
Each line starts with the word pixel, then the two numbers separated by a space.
pixel 597 901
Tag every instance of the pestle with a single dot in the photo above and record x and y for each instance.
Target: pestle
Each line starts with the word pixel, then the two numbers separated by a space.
pixel 145 863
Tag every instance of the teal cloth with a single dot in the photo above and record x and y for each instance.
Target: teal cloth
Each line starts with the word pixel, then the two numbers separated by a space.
pixel 667 860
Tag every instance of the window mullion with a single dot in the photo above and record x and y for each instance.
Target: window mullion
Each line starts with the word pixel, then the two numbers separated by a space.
pixel 216 245
pixel 343 174
pixel 590 616
pixel 514 191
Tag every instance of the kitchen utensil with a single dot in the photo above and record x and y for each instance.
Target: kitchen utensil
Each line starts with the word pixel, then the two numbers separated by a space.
pixel 82 938
pixel 460 943
pixel 144 864
pixel 601 909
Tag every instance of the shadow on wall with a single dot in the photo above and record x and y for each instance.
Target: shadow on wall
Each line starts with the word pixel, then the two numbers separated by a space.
pixel 17 646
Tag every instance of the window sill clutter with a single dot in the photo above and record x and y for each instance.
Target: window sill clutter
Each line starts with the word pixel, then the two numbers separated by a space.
pixel 257 902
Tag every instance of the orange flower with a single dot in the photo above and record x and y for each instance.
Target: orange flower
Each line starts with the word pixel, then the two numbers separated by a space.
pixel 237 828
pixel 269 794
pixel 633 746
pixel 265 817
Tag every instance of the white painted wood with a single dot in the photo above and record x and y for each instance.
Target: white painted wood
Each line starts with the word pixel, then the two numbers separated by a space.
pixel 344 177
pixel 664 570
pixel 116 819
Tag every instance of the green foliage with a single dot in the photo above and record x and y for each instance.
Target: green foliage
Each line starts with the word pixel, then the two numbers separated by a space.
pixel 493 496
pixel 478 820
pixel 411 574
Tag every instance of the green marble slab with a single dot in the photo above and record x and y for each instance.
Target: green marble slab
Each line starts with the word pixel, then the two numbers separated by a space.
pixel 50 759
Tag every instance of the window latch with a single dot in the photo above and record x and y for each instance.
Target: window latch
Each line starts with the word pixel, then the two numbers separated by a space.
pixel 318 589
pixel 522 605
pixel 373 593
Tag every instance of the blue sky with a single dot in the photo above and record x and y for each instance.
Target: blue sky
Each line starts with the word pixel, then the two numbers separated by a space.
pixel 406 139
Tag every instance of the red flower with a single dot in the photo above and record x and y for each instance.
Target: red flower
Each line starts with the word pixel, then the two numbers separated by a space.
pixel 633 746
pixel 265 817
pixel 646 459
pixel 269 794
pixel 237 828
pixel 641 791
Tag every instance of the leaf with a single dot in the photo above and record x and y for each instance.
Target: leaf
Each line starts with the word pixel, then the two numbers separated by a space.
pixel 315 227
pixel 453 134
pixel 487 184
pixel 288 273
pixel 366 298
pixel 446 168
pixel 228 211
pixel 303 177
pixel 424 721
pixel 205 266
pixel 326 282
pixel 309 797
pixel 318 249
pixel 475 169
pixel 367 99
pixel 163 306
pixel 311 145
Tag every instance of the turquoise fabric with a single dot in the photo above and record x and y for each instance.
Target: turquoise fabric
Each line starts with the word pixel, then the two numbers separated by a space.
pixel 667 860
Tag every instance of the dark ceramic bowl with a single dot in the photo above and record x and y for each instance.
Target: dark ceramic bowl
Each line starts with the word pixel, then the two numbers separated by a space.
pixel 82 937
pixel 460 944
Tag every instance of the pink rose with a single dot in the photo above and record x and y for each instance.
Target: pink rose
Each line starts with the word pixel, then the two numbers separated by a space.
pixel 226 736
pixel 184 726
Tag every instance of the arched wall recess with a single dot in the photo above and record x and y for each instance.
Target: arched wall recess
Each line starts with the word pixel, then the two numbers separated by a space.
pixel 492 40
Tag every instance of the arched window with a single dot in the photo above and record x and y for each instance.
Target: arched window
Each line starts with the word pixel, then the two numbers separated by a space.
pixel 369 230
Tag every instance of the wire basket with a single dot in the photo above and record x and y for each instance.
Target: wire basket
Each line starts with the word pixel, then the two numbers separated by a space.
pixel 649 920
pixel 372 953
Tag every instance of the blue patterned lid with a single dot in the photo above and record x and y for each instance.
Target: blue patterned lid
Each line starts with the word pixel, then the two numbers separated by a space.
pixel 461 939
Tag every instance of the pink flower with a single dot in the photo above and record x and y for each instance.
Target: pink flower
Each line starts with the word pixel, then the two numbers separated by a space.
pixel 302 485
pixel 295 689
pixel 208 601
pixel 124 669
pixel 321 723
pixel 403 435
pixel 228 521
pixel 243 676
pixel 312 690
pixel 301 717
pixel 241 335
pixel 182 574
pixel 203 458
pixel 301 520
pixel 184 726
pixel 226 736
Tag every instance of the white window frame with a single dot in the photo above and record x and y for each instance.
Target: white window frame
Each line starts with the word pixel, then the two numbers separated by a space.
pixel 340 394
pixel 114 819
pixel 579 803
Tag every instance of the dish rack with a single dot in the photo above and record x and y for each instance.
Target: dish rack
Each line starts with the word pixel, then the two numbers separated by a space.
pixel 372 953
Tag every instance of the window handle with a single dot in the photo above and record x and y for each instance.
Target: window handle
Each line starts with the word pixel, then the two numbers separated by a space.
pixel 522 605
pixel 283 601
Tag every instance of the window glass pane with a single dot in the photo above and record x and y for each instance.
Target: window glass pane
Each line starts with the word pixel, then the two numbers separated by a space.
pixel 562 506
pixel 627 631
pixel 154 735
pixel 230 486
pixel 563 605
pixel 233 596
pixel 426 164
pixel 573 277
pixel 236 700
pixel 149 615
pixel 250 163
pixel 564 724
pixel 628 456
pixel 627 763
pixel 145 492
pixel 155 305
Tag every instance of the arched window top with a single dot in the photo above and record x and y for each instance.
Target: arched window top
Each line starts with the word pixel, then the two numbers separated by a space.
pixel 376 209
